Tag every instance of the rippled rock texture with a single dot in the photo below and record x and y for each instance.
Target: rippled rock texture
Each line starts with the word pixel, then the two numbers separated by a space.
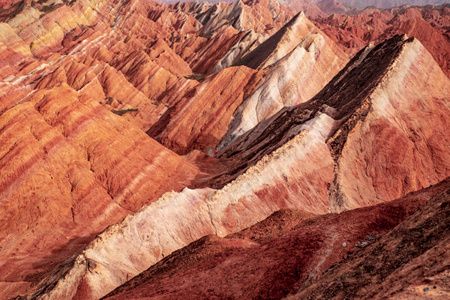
pixel 131 129
pixel 292 252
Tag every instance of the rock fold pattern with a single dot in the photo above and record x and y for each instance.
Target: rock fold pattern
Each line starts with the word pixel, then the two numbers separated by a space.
pixel 132 129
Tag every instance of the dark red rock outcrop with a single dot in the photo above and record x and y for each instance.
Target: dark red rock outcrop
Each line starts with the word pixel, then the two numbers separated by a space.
pixel 409 262
pixel 292 252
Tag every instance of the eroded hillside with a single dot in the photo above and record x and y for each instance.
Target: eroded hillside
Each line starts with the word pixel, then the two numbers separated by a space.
pixel 131 129
pixel 356 254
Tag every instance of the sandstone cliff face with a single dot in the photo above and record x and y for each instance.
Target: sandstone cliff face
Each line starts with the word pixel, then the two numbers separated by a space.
pixel 247 43
pixel 96 60
pixel 99 268
pixel 302 61
pixel 199 212
pixel 70 167
pixel 280 44
pixel 226 27
pixel 81 83
pixel 262 16
pixel 401 130
pixel 334 100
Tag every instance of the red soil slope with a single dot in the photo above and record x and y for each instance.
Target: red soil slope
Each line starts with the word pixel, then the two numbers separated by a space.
pixel 354 254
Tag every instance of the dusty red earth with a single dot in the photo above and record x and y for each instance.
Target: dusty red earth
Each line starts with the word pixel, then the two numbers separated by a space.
pixel 409 262
pixel 130 129
pixel 355 254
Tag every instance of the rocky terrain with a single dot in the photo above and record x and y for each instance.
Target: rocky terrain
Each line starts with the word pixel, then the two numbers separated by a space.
pixel 192 140
pixel 315 257
pixel 428 24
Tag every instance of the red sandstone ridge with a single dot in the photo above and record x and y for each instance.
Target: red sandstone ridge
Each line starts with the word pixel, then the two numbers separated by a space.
pixel 74 169
pixel 358 107
pixel 297 55
pixel 292 251
pixel 196 122
pixel 242 25
pixel 81 83
pixel 309 59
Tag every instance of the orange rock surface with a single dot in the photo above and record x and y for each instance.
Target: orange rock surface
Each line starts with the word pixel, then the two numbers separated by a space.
pixel 196 122
pixel 69 169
